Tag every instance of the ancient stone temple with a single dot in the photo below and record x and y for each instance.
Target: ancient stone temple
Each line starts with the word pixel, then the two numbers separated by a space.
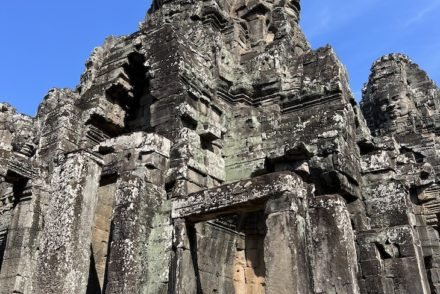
pixel 213 151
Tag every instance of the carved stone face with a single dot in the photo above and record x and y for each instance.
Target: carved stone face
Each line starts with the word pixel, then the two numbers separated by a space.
pixel 399 105
pixel 387 107
pixel 392 105
pixel 24 143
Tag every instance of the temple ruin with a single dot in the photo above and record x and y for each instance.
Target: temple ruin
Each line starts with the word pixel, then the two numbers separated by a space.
pixel 213 151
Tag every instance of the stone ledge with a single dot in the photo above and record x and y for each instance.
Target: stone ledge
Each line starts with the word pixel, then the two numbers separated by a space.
pixel 240 196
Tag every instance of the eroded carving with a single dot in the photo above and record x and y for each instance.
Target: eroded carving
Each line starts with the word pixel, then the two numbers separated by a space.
pixel 215 151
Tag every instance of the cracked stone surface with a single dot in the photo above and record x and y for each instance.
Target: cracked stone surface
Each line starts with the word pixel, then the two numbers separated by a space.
pixel 213 151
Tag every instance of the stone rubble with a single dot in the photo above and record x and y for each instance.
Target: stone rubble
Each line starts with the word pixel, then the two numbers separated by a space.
pixel 213 151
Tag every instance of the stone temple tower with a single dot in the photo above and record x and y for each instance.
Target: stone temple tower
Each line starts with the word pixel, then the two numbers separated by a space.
pixel 213 151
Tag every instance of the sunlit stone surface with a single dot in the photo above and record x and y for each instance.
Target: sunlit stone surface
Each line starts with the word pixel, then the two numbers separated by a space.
pixel 213 151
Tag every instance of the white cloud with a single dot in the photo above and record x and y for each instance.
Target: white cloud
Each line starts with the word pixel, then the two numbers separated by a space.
pixel 321 17
pixel 422 13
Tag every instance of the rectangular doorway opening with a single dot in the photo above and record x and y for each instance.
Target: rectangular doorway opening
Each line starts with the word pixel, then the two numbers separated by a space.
pixel 228 254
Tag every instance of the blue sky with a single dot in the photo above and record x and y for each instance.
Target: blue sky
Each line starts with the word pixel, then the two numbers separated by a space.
pixel 45 43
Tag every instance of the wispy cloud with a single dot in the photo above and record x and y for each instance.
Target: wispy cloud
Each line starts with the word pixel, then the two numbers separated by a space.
pixel 320 18
pixel 429 59
pixel 422 13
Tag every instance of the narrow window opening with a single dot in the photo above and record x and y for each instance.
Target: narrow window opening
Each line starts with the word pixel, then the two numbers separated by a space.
pixel 206 143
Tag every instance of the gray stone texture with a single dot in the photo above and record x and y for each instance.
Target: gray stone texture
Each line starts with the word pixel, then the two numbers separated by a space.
pixel 213 151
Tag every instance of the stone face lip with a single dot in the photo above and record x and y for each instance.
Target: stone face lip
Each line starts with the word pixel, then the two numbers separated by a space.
pixel 213 151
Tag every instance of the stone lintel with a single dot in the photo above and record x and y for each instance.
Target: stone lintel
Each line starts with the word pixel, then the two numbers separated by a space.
pixel 246 195
pixel 88 154
pixel 137 151
pixel 21 168
pixel 145 142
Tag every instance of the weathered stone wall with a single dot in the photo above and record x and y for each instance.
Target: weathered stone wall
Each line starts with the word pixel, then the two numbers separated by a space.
pixel 401 106
pixel 64 258
pixel 215 151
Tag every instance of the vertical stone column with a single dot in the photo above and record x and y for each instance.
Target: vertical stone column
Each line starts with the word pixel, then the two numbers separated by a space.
pixel 59 121
pixel 184 278
pixel 140 237
pixel 5 215
pixel 101 233
pixel 285 246
pixel 2 246
pixel 132 265
pixel 390 253
pixel 333 252
pixel 20 254
pixel 6 207
pixel 63 264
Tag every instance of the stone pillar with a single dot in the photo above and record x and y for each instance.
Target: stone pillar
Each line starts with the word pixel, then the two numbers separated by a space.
pixel 390 253
pixel 5 215
pixel 2 246
pixel 285 246
pixel 333 252
pixel 59 123
pixel 391 261
pixel 184 277
pixel 6 208
pixel 63 264
pixel 139 255
pixel 19 259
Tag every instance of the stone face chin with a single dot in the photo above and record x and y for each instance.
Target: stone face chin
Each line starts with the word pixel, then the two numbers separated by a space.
pixel 213 151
